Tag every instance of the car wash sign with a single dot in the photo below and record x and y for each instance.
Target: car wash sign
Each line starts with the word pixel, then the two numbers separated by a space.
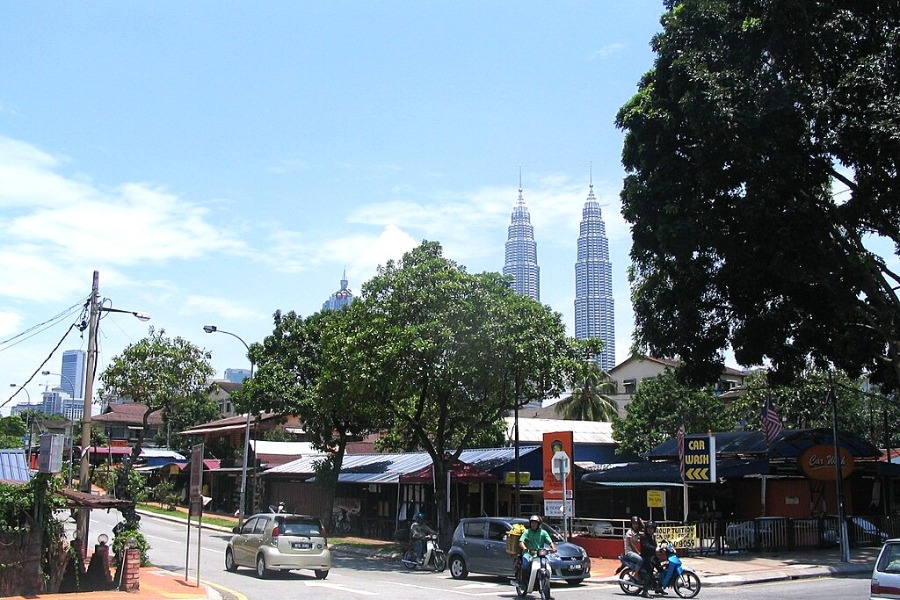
pixel 700 459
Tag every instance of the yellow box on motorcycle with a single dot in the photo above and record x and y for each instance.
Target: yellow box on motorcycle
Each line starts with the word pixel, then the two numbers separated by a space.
pixel 512 539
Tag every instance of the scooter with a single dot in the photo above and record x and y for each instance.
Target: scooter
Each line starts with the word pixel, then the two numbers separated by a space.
pixel 538 579
pixel 434 556
pixel 676 575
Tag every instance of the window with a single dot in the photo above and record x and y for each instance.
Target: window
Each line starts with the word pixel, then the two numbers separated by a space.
pixel 497 531
pixel 630 386
pixel 474 529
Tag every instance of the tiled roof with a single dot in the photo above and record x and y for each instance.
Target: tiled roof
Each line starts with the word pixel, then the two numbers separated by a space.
pixel 128 412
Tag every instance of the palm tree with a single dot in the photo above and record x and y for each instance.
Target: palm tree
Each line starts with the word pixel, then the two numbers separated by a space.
pixel 589 400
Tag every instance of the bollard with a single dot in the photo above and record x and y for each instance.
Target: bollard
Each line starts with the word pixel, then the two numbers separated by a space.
pixel 131 580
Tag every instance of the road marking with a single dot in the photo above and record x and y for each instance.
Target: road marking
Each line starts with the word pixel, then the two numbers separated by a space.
pixel 338 586
pixel 217 586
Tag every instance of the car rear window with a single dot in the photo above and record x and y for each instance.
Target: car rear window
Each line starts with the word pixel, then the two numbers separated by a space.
pixel 890 559
pixel 299 526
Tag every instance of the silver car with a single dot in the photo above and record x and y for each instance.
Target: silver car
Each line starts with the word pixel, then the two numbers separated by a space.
pixel 479 546
pixel 886 575
pixel 279 542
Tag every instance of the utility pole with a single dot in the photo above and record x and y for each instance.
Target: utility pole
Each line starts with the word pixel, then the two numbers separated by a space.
pixel 84 483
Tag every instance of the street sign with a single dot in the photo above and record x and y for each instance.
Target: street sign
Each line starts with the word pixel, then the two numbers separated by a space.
pixel 560 465
pixel 196 471
pixel 700 459
pixel 656 498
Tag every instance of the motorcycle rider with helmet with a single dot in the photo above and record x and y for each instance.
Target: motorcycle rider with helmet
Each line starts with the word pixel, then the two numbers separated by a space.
pixel 651 563
pixel 418 531
pixel 534 538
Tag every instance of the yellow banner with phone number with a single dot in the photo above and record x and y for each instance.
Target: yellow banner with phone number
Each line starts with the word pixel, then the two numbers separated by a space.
pixel 680 536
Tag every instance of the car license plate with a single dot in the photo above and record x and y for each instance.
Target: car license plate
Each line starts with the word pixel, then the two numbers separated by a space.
pixel 575 567
pixel 301 545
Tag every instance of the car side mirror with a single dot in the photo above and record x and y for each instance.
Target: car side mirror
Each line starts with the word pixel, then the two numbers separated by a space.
pixel 235 529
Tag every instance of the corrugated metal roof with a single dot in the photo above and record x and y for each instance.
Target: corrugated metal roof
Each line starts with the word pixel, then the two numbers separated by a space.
pixel 13 467
pixel 387 468
pixel 583 432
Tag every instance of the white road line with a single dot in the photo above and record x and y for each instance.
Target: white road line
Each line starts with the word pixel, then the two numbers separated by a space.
pixel 338 586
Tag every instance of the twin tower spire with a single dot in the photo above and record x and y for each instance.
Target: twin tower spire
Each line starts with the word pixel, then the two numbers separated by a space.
pixel 594 307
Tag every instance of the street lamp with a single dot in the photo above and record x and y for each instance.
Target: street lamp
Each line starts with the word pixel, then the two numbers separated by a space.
pixel 71 421
pixel 214 329
pixel 96 307
pixel 30 425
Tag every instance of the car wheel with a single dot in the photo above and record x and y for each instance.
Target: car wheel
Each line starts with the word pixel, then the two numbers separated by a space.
pixel 230 565
pixel 458 568
pixel 321 573
pixel 574 581
pixel 261 571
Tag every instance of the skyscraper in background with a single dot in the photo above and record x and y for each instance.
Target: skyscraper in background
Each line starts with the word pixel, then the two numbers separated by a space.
pixel 340 298
pixel 72 369
pixel 594 309
pixel 237 375
pixel 521 251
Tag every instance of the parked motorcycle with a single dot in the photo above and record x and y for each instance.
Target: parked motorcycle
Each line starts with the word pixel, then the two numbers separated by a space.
pixel 672 574
pixel 538 579
pixel 434 558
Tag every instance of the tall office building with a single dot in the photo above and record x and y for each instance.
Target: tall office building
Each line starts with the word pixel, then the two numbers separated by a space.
pixel 340 298
pixel 521 251
pixel 72 369
pixel 237 375
pixel 594 309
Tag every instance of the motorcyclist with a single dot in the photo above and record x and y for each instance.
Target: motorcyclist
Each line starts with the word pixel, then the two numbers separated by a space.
pixel 632 554
pixel 648 554
pixel 418 531
pixel 534 538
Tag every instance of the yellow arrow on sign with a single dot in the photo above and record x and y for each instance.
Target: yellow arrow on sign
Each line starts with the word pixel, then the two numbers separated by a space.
pixel 697 474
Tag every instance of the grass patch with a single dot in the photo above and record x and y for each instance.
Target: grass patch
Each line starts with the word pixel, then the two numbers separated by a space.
pixel 178 514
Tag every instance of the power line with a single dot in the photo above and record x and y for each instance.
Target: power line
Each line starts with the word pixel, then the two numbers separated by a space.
pixel 39 328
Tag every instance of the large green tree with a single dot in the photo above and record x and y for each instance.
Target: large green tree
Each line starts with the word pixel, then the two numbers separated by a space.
pixel 302 370
pixel 160 372
pixel 761 153
pixel 443 355
pixel 660 405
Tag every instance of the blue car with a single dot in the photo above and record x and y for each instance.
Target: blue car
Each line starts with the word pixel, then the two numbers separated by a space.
pixel 479 546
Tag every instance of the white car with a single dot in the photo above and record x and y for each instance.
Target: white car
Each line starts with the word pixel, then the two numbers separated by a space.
pixel 886 575
pixel 279 542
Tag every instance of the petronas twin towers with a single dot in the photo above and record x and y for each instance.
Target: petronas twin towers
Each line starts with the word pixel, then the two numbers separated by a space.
pixel 594 308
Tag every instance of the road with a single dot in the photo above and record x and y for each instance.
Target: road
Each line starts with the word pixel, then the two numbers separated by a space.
pixel 355 578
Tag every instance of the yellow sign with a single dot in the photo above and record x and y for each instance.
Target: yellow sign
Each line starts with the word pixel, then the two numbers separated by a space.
pixel 509 477
pixel 680 536
pixel 700 459
pixel 656 498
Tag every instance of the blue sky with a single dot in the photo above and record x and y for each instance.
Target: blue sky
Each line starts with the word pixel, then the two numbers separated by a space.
pixel 219 161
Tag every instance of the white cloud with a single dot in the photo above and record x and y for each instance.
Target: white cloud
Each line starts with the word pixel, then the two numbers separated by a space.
pixel 605 51
pixel 9 323
pixel 227 309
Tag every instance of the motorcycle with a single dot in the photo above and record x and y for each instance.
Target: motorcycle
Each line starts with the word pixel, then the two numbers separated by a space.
pixel 538 579
pixel 434 556
pixel 673 574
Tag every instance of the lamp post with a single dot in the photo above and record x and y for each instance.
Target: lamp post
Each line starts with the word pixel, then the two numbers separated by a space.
pixel 214 329
pixel 96 308
pixel 30 417
pixel 71 422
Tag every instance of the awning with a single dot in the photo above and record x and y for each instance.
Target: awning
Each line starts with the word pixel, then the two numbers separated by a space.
pixel 78 499
pixel 659 473
pixel 460 473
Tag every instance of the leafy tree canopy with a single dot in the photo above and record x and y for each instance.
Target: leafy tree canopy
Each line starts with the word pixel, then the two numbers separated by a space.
pixel 657 408
pixel 762 155
pixel 442 354
pixel 12 429
pixel 160 372
pixel 589 399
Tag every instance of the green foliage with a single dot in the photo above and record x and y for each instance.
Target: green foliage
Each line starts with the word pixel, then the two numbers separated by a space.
pixel 807 404
pixel 589 400
pixel 125 483
pixel 659 406
pixel 121 539
pixel 160 372
pixel 164 493
pixel 12 429
pixel 762 155
pixel 195 408
pixel 442 355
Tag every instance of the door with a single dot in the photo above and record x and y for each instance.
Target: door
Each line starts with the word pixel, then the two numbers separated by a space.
pixel 242 541
pixel 498 561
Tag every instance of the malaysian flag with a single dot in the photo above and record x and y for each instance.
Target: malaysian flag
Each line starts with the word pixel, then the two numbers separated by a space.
pixel 680 436
pixel 770 421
